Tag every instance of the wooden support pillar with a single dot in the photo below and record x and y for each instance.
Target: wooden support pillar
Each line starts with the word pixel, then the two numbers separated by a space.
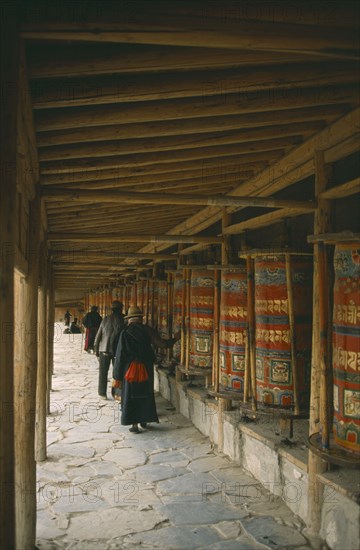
pixel 251 366
pixel 8 158
pixel 169 312
pixel 25 396
pixel 41 380
pixel 187 317
pixel 290 298
pixel 223 404
pixel 322 224
pixel 50 333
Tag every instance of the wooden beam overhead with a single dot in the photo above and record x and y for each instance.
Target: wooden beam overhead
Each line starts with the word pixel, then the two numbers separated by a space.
pixel 189 126
pixel 133 146
pixel 64 61
pixel 172 109
pixel 263 221
pixel 75 255
pixel 161 198
pixel 204 84
pixel 86 238
pixel 343 190
pixel 165 157
pixel 172 170
pixel 167 30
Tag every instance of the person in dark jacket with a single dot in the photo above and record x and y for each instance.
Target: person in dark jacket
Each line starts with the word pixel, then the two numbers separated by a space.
pixel 106 342
pixel 67 318
pixel 134 370
pixel 74 327
pixel 91 322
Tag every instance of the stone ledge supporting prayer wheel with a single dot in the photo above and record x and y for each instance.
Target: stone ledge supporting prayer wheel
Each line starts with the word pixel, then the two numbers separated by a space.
pixel 201 318
pixel 283 349
pixel 346 348
pixel 233 329
pixel 177 311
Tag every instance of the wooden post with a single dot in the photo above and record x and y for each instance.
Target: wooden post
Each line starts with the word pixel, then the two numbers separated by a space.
pixel 290 297
pixel 223 404
pixel 183 315
pixel 215 366
pixel 187 317
pixel 50 334
pixel 25 396
pixel 322 224
pixel 324 347
pixel 169 311
pixel 251 329
pixel 9 65
pixel 41 380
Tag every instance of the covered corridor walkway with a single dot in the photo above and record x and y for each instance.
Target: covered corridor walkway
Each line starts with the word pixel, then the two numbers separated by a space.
pixel 166 488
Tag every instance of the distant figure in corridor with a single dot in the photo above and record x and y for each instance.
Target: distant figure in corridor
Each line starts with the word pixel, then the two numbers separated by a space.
pixel 67 318
pixel 134 370
pixel 106 342
pixel 91 322
pixel 74 327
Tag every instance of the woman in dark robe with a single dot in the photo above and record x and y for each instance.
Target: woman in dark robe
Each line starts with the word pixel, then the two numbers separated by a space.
pixel 134 369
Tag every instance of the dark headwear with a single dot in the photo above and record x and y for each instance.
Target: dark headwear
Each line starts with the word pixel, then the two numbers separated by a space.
pixel 117 305
pixel 94 308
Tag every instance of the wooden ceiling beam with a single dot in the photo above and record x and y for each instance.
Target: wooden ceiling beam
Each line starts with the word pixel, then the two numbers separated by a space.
pixel 351 187
pixel 172 109
pixel 149 87
pixel 200 32
pixel 72 255
pixel 189 126
pixel 168 157
pixel 175 170
pixel 263 221
pixel 60 60
pixel 124 238
pixel 162 198
pixel 134 146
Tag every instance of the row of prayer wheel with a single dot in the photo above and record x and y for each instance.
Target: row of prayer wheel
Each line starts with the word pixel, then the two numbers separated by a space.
pixel 282 302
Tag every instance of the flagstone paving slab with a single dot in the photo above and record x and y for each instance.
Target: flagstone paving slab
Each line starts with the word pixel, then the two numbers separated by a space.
pixel 150 473
pixel 197 513
pixel 267 531
pixel 114 522
pixel 176 538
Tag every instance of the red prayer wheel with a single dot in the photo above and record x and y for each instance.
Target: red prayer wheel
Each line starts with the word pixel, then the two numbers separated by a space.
pixel 346 348
pixel 233 328
pixel 140 294
pixel 201 318
pixel 163 309
pixel 275 340
pixel 133 295
pixel 153 303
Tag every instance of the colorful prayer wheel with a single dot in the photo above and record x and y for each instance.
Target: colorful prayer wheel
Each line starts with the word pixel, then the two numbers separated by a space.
pixel 283 289
pixel 133 295
pixel 140 294
pixel 153 303
pixel 177 311
pixel 201 318
pixel 346 348
pixel 163 309
pixel 233 329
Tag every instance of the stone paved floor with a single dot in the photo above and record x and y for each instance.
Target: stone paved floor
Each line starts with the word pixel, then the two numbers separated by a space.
pixel 166 488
